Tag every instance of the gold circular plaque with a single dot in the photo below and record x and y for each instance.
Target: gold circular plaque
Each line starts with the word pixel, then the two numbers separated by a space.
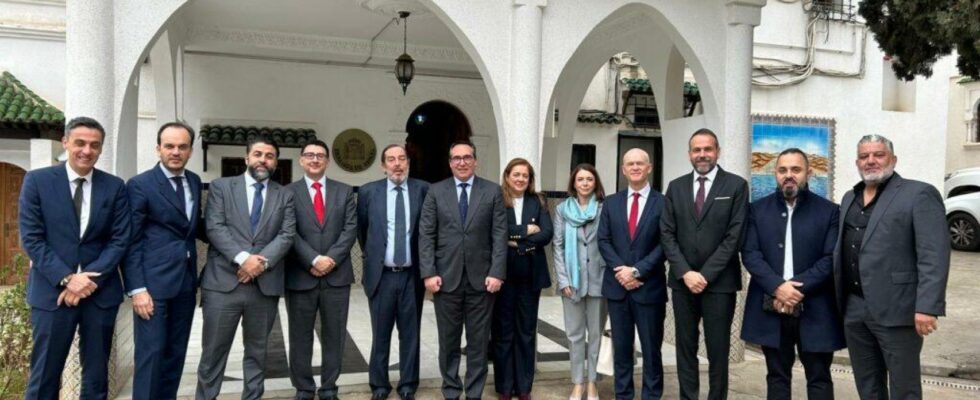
pixel 354 150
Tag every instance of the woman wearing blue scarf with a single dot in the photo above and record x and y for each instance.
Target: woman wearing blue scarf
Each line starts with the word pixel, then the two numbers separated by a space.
pixel 578 270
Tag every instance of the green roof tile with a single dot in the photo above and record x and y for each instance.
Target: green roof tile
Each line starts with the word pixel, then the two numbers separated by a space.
pixel 240 135
pixel 598 117
pixel 20 105
pixel 643 86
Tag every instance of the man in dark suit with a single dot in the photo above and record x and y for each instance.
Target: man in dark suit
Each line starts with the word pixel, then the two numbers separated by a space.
pixel 160 272
pixel 702 229
pixel 634 282
pixel 387 224
pixel 251 224
pixel 462 258
pixel 891 265
pixel 788 250
pixel 319 272
pixel 74 226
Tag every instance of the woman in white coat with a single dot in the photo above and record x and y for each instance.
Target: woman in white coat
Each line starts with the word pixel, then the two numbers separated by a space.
pixel 578 270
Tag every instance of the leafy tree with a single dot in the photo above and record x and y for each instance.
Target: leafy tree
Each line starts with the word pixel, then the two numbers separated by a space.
pixel 919 32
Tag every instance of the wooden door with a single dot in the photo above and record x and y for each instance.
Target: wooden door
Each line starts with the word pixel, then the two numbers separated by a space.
pixel 11 178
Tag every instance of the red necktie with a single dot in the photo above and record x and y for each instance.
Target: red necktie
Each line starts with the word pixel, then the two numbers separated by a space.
pixel 699 198
pixel 318 207
pixel 634 215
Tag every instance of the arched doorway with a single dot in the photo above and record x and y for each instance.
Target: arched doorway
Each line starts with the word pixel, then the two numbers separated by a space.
pixel 431 128
pixel 11 178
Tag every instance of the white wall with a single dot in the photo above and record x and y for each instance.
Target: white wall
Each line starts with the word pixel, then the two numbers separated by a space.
pixel 17 152
pixel 329 99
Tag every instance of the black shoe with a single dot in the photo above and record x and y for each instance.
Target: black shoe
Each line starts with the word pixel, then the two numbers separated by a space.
pixel 407 396
pixel 334 397
pixel 379 396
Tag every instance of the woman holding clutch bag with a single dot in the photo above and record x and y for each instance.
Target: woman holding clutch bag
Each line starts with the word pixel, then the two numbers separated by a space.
pixel 578 270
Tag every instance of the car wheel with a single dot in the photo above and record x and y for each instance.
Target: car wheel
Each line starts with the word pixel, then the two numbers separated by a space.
pixel 964 232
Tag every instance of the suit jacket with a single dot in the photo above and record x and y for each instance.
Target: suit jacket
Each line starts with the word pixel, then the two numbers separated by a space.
pixel 528 262
pixel 591 264
pixel 49 232
pixel 372 228
pixel 230 231
pixel 333 239
pixel 644 252
pixel 708 243
pixel 904 257
pixel 815 224
pixel 163 238
pixel 448 246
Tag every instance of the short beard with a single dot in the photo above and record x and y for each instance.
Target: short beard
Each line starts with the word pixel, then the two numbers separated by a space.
pixel 790 192
pixel 877 179
pixel 260 175
pixel 710 167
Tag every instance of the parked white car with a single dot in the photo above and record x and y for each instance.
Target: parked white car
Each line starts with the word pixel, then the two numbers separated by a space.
pixel 962 214
pixel 962 181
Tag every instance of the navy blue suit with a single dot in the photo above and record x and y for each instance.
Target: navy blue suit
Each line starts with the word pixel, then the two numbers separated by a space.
pixel 515 311
pixel 163 260
pixel 818 329
pixel 49 232
pixel 643 307
pixel 395 298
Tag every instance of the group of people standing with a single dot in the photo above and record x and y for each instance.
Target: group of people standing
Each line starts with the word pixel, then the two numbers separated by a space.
pixel 870 274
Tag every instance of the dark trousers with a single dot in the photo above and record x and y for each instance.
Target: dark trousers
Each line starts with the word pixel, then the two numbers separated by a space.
pixel 514 330
pixel 397 302
pixel 222 313
pixel 779 364
pixel 331 303
pixel 627 317
pixel 161 344
pixel 53 332
pixel 471 308
pixel 717 310
pixel 885 359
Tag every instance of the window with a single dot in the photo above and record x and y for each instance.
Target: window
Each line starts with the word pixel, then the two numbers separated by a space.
pixel 642 110
pixel 834 10
pixel 582 153
pixel 973 130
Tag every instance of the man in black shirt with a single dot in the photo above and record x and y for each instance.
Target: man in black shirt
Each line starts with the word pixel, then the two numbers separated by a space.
pixel 890 268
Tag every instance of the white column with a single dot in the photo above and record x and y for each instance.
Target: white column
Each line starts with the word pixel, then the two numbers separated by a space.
pixel 736 139
pixel 524 133
pixel 89 70
pixel 44 152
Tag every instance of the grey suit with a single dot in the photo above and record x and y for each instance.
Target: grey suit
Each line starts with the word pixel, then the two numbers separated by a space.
pixel 463 254
pixel 224 300
pixel 585 311
pixel 903 262
pixel 308 295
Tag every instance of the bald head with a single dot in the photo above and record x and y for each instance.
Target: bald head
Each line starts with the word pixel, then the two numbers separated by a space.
pixel 637 168
pixel 635 153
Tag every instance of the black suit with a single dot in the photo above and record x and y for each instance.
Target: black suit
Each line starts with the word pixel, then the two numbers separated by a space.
pixel 394 294
pixel 463 252
pixel 707 243
pixel 329 295
pixel 515 314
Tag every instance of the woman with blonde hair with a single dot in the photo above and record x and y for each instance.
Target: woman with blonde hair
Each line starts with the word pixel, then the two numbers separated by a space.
pixel 579 270
pixel 515 313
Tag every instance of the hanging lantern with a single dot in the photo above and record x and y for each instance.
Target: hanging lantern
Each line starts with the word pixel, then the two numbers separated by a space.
pixel 404 64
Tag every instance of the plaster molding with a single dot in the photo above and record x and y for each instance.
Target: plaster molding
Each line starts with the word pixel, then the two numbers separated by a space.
pixel 23 32
pixel 59 3
pixel 326 44
pixel 539 3
pixel 744 12
pixel 390 8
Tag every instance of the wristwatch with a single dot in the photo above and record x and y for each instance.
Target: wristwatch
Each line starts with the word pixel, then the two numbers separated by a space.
pixel 636 273
pixel 65 280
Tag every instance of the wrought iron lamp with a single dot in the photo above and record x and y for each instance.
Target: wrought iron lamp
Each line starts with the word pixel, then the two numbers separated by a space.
pixel 404 64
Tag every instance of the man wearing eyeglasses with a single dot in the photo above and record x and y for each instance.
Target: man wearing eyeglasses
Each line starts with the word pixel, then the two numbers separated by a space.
pixel 319 272
pixel 462 257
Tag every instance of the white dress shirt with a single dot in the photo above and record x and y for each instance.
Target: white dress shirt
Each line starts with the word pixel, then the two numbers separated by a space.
pixel 86 196
pixel 188 196
pixel 518 203
pixel 644 195
pixel 788 271
pixel 469 188
pixel 249 196
pixel 707 184
pixel 323 192
pixel 390 198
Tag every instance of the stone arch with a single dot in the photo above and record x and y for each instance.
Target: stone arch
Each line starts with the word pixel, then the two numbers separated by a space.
pixel 429 160
pixel 140 34
pixel 663 50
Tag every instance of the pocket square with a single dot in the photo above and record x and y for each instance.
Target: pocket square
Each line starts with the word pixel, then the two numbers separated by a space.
pixel 723 198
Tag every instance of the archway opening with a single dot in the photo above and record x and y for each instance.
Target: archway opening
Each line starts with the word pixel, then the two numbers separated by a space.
pixel 11 178
pixel 431 128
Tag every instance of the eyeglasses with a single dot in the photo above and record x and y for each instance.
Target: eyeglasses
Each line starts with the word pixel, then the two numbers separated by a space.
pixel 462 159
pixel 314 156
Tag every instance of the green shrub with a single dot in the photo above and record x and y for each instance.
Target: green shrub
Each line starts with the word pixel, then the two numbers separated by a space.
pixel 15 331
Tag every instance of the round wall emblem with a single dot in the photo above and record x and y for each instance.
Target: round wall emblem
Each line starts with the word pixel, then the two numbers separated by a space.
pixel 354 150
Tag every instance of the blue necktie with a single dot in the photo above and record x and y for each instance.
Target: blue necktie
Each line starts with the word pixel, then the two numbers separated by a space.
pixel 464 203
pixel 256 206
pixel 181 201
pixel 400 256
